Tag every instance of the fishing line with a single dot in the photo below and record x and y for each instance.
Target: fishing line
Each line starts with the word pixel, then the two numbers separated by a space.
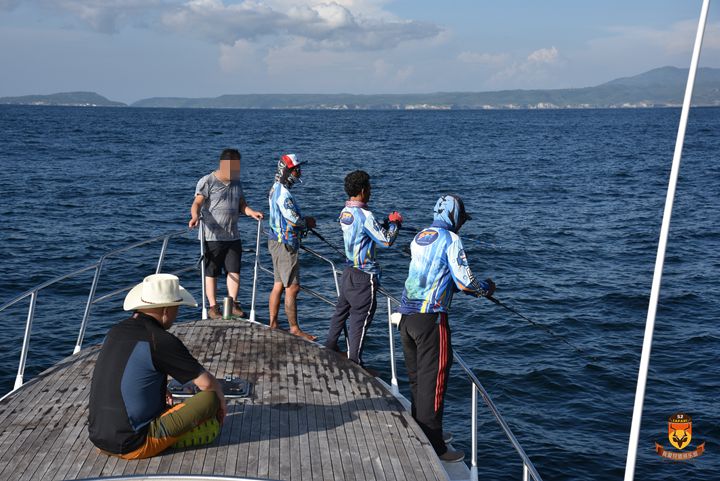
pixel 543 327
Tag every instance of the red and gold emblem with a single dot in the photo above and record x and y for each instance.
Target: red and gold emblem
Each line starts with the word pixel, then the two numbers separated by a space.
pixel 680 436
pixel 680 430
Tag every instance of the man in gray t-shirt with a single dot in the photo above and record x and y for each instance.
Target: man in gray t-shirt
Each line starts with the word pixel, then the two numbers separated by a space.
pixel 219 196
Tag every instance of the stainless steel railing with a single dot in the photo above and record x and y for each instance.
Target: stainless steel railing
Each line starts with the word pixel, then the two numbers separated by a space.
pixel 529 469
pixel 477 387
pixel 97 267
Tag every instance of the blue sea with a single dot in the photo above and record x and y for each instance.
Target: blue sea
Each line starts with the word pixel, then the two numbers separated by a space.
pixel 566 208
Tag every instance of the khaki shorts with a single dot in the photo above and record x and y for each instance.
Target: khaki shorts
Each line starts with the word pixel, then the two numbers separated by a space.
pixel 285 263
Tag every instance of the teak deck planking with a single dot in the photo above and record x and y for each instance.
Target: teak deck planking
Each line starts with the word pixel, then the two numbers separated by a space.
pixel 312 415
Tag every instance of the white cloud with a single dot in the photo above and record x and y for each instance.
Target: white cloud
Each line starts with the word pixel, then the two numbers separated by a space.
pixel 330 25
pixel 543 55
pixel 483 58
pixel 533 71
pixel 337 25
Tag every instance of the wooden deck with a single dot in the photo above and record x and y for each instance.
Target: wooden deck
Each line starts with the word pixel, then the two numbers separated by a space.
pixel 313 415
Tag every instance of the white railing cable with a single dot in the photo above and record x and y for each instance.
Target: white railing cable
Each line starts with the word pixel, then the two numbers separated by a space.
pixel 498 417
pixel 97 267
pixel 163 251
pixel 662 244
pixel 88 306
pixel 325 259
pixel 391 340
pixel 255 271
pixel 477 387
pixel 202 269
pixel 26 341
pixel 473 432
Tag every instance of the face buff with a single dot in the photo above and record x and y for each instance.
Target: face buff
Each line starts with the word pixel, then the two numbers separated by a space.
pixel 288 170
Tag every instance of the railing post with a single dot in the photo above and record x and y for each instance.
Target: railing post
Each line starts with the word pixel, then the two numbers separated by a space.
pixel 391 338
pixel 255 271
pixel 161 259
pixel 526 477
pixel 337 285
pixel 473 428
pixel 86 314
pixel 26 341
pixel 202 267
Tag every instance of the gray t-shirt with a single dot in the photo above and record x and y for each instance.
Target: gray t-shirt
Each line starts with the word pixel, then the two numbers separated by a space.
pixel 221 208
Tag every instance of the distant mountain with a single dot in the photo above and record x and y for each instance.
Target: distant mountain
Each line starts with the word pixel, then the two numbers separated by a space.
pixel 75 99
pixel 662 87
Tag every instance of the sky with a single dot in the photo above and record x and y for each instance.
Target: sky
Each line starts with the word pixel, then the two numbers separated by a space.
pixel 133 49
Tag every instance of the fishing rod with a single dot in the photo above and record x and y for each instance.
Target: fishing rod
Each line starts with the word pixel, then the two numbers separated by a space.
pixel 493 300
pixel 404 251
pixel 482 243
pixel 543 327
pixel 332 246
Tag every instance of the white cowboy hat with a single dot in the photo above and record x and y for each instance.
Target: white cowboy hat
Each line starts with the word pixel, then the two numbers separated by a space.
pixel 158 290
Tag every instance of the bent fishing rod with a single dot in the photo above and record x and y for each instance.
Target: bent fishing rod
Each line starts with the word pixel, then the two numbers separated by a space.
pixel 543 327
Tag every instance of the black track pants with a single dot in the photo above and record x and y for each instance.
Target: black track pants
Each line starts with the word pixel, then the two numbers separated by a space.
pixel 428 357
pixel 356 305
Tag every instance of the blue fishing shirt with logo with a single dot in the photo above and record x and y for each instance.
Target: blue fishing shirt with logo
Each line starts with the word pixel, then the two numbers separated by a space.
pixel 286 221
pixel 438 269
pixel 361 233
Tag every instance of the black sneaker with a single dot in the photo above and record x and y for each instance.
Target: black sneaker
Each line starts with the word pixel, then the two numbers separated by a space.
pixel 451 456
pixel 448 437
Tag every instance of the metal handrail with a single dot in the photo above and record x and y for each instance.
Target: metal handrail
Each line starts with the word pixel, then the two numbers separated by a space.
pixel 312 292
pixel 202 269
pixel 122 290
pixel 255 271
pixel 315 253
pixel 97 267
pixel 45 284
pixel 323 258
pixel 477 387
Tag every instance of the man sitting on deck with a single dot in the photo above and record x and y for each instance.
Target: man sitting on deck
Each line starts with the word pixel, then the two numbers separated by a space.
pixel 438 269
pixel 129 412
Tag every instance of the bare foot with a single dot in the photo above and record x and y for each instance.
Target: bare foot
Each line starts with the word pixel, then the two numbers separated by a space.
pixel 296 331
pixel 273 325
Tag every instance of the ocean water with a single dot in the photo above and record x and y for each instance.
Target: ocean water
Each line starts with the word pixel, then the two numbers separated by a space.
pixel 567 206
